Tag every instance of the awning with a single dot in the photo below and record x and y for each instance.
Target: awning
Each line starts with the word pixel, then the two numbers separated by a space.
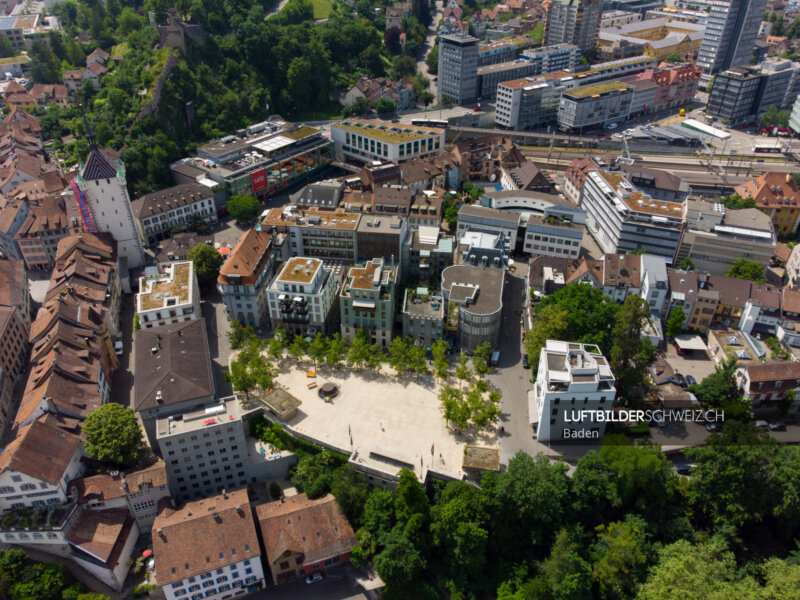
pixel 688 341
pixel 363 304
pixel 224 251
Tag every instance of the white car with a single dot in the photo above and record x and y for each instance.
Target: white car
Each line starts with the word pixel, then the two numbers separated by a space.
pixel 314 578
pixel 618 136
pixel 118 347
pixel 612 126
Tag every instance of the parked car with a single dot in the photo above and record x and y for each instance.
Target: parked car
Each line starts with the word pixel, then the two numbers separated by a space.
pixel 659 420
pixel 314 578
pixel 691 380
pixel 713 426
pixel 118 348
pixel 678 350
pixel 525 364
pixel 762 424
pixel 679 379
pixel 684 469
pixel 612 126
pixel 777 426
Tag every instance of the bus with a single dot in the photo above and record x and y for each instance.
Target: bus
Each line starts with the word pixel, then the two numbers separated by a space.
pixel 764 149
pixel 429 123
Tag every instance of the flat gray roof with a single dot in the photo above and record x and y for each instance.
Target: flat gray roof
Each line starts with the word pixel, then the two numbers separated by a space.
pixel 489 296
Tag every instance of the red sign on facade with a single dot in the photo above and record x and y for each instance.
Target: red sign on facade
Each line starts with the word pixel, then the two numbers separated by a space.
pixel 259 179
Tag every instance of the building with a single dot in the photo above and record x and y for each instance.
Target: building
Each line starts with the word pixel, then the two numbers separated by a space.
pixel 527 103
pixel 367 300
pixel 173 373
pixel 139 491
pixel 571 377
pixel 423 315
pixel 321 194
pixel 526 178
pixel 794 118
pixel 245 276
pixel 474 297
pixel 491 76
pixel 426 252
pixel 259 161
pixel 45 226
pixel 365 141
pixel 178 246
pixel 14 342
pixel 676 85
pixel 714 238
pixel 205 450
pixel 170 297
pixel 488 220
pixel 37 465
pixel 615 18
pixel 573 22
pixel 303 536
pixel 555 58
pixel 401 92
pixel 457 71
pixel 767 385
pixel 13 214
pixel 502 49
pixel 690 291
pixel 14 291
pixel 158 213
pixel 558 232
pixel 730 34
pixel 208 546
pixel 658 38
pixel 101 192
pixel 380 235
pixel 303 297
pixel 325 234
pixel 776 195
pixel 621 218
pixel 594 105
pixel 575 177
pixel 488 250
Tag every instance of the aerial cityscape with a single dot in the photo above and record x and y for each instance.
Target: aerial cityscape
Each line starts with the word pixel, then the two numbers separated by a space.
pixel 361 299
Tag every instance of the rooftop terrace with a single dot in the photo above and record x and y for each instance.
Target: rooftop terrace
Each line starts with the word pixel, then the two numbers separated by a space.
pixel 392 134
pixel 312 217
pixel 597 89
pixel 171 288
pixel 637 201
pixel 300 269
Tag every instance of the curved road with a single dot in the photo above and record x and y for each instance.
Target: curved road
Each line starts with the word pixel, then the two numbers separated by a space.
pixel 430 40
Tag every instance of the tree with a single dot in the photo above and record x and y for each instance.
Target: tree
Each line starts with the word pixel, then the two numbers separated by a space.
pixel 631 351
pixel 207 261
pixel 359 350
pixel 412 507
pixel 480 358
pixel 351 490
pixel 426 98
pixel 552 323
pixel 384 107
pixel 391 39
pixel 719 390
pixel 400 354
pixel 336 351
pixel 113 434
pixel 565 574
pixel 6 49
pixel 463 372
pixel 538 33
pixel 675 57
pixel 686 265
pixel 747 269
pixel 318 347
pixel 453 407
pixel 404 66
pixel 240 335
pixel 243 208
pixel 432 60
pixel 594 489
pixel 441 362
pixel 623 551
pixel 674 324
pixel 361 106
pixel 774 116
pixel 399 564
pixel 736 202
pixel 298 346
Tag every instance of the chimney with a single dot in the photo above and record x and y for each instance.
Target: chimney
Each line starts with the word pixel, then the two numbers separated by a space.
pixel 160 533
pixel 217 518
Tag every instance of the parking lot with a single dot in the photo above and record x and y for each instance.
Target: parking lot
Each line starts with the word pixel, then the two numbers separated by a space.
pixel 698 364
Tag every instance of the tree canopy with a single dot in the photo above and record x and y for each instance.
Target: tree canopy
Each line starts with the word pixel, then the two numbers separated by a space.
pixel 113 435
pixel 243 208
pixel 207 261
pixel 745 268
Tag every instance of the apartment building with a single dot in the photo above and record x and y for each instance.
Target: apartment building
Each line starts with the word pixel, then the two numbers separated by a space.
pixel 37 465
pixel 594 105
pixel 380 235
pixel 321 536
pixel 366 141
pixel 690 291
pixel 502 49
pixel 138 491
pixel 178 246
pixel 170 297
pixel 175 207
pixel 621 218
pixel 173 373
pixel 571 377
pixel 474 297
pixel 714 238
pixel 13 342
pixel 258 161
pixel 488 250
pixel 44 227
pixel 245 276
pixel 558 232
pixel 457 72
pixel 767 386
pixel 323 234
pixel 573 22
pixel 488 220
pixel 553 58
pixel 575 177
pixel 208 548
pixel 730 34
pixel 423 315
pixel 426 252
pixel 303 297
pixel 777 196
pixel 794 118
pixel 527 103
pixel 615 18
pixel 13 214
pixel 367 300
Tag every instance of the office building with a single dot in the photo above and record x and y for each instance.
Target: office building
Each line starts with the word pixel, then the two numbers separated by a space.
pixel 426 252
pixel 615 18
pixel 158 213
pixel 714 238
pixel 101 192
pixel 571 377
pixel 558 232
pixel 730 35
pixel 658 38
pixel 423 315
pixel 555 58
pixel 594 105
pixel 208 548
pixel 303 297
pixel 457 72
pixel 491 76
pixel 488 250
pixel 258 161
pixel 502 49
pixel 794 118
pixel 173 373
pixel 245 276
pixel 474 297
pixel 527 103
pixel 366 141
pixel 169 297
pixel 622 218
pixel 330 235
pixel 573 22
pixel 367 300
pixel 488 220
pixel 380 235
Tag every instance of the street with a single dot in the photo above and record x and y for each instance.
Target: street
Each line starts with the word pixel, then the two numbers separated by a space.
pixel 430 40
pixel 336 586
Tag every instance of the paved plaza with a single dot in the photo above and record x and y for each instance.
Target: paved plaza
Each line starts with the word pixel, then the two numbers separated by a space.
pixel 380 413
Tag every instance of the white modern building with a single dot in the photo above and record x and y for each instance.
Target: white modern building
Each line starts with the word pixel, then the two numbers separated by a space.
pixel 101 191
pixel 621 218
pixel 571 378
pixel 169 297
pixel 208 549
pixel 554 58
pixel 528 102
pixel 366 141
pixel 303 297
pixel 558 232
pixel 488 220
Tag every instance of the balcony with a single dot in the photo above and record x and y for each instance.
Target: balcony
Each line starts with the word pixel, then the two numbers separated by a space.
pixel 36 518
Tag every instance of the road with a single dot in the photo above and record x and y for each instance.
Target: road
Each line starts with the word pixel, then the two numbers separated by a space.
pixel 336 586
pixel 430 40
pixel 276 9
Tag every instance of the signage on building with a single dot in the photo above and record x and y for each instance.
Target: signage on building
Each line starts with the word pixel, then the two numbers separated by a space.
pixel 259 179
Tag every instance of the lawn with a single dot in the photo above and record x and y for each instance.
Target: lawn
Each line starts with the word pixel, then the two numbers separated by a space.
pixel 322 8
